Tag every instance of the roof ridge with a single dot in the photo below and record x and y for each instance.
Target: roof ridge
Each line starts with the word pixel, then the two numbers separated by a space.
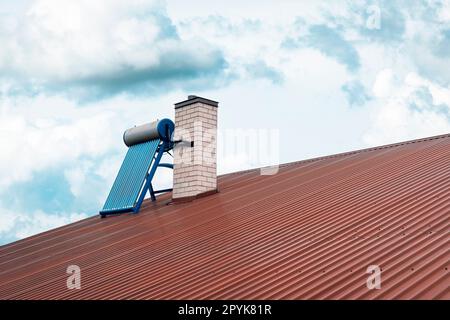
pixel 346 153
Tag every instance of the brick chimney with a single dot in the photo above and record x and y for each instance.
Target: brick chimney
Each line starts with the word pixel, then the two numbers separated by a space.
pixel 195 157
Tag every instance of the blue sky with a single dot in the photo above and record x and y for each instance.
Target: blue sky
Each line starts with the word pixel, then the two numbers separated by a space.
pixel 330 77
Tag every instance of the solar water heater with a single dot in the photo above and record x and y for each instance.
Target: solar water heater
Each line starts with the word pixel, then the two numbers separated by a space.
pixel 146 145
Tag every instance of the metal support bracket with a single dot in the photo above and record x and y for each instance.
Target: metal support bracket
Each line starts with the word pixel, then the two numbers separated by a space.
pixel 189 144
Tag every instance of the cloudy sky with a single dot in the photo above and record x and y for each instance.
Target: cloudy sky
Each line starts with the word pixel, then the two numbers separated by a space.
pixel 330 77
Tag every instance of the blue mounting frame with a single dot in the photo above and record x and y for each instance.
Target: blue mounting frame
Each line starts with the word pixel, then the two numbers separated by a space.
pixel 164 146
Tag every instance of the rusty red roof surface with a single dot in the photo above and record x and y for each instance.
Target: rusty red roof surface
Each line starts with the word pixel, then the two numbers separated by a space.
pixel 308 232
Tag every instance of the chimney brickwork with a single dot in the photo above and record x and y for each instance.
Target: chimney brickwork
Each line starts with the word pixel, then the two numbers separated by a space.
pixel 195 168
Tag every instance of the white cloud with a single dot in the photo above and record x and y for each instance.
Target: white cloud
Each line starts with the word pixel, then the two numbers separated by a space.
pixel 235 162
pixel 33 144
pixel 108 168
pixel 440 95
pixel 76 176
pixel 97 48
pixel 444 12
pixel 415 108
pixel 40 221
pixel 7 220
pixel 384 83
pixel 18 225
pixel 237 10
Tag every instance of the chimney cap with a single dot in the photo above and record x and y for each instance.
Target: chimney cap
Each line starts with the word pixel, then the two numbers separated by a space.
pixel 195 99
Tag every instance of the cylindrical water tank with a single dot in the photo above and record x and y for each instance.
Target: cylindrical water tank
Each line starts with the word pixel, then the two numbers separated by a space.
pixel 161 129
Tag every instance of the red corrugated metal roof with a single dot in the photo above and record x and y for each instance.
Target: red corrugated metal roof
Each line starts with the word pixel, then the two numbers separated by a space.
pixel 309 231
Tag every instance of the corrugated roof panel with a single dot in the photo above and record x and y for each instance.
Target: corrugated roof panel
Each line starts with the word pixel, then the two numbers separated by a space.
pixel 308 232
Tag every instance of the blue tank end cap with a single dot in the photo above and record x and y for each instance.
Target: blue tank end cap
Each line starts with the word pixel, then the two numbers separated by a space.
pixel 166 127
